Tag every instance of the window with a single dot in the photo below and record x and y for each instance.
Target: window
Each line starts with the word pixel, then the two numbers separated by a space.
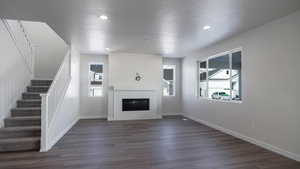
pixel 169 80
pixel 236 76
pixel 203 78
pixel 96 80
pixel 220 76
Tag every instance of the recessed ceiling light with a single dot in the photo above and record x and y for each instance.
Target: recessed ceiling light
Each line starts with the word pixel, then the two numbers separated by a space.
pixel 103 17
pixel 206 27
pixel 107 49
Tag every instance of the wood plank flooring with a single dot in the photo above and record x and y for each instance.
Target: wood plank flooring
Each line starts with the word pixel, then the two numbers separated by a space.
pixel 170 143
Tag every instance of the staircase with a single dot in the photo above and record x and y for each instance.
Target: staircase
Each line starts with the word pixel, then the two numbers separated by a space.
pixel 22 131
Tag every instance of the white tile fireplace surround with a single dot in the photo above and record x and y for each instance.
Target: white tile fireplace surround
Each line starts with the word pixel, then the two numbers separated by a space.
pixel 133 105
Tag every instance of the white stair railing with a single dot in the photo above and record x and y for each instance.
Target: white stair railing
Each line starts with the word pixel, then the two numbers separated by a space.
pixel 22 41
pixel 52 100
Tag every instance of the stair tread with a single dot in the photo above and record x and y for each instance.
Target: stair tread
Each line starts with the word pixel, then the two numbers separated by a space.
pixel 24 128
pixel 19 140
pixel 32 93
pixel 48 80
pixel 24 118
pixel 30 100
pixel 43 86
pixel 27 108
pixel 36 92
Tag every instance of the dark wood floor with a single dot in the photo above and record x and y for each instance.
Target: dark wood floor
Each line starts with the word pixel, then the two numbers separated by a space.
pixel 153 144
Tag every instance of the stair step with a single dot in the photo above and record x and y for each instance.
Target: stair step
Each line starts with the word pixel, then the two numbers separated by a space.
pixel 20 144
pixel 22 131
pixel 31 95
pixel 16 132
pixel 41 82
pixel 37 92
pixel 22 121
pixel 29 103
pixel 28 111
pixel 41 89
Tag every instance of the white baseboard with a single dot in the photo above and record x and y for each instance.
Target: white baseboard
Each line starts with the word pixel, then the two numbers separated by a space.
pixel 172 114
pixel 248 139
pixel 61 134
pixel 92 117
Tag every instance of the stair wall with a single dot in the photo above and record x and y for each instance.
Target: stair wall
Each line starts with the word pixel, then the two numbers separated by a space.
pixel 14 74
pixel 50 49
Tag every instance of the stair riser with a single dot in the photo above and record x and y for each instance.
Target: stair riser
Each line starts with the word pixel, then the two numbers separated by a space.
pixel 37 89
pixel 16 134
pixel 26 113
pixel 29 104
pixel 18 123
pixel 26 146
pixel 31 96
pixel 41 83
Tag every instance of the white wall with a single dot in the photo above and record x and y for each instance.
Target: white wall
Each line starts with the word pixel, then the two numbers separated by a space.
pixel 50 49
pixel 15 75
pixel 92 107
pixel 171 105
pixel 68 112
pixel 269 114
pixel 124 66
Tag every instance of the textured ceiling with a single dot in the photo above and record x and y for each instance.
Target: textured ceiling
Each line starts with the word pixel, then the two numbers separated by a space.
pixel 167 27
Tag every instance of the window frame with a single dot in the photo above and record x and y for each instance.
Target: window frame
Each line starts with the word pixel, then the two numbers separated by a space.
pixel 230 52
pixel 172 66
pixel 89 80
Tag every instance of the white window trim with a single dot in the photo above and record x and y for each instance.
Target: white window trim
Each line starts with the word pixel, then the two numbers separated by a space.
pixel 174 80
pixel 230 52
pixel 89 84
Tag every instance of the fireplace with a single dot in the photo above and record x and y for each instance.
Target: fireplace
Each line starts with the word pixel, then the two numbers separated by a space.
pixel 133 104
pixel 139 104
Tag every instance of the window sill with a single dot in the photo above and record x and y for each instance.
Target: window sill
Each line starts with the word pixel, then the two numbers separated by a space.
pixel 221 101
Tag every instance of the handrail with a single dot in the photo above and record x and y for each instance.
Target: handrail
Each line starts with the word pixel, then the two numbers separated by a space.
pixel 52 100
pixel 30 44
pixel 27 56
